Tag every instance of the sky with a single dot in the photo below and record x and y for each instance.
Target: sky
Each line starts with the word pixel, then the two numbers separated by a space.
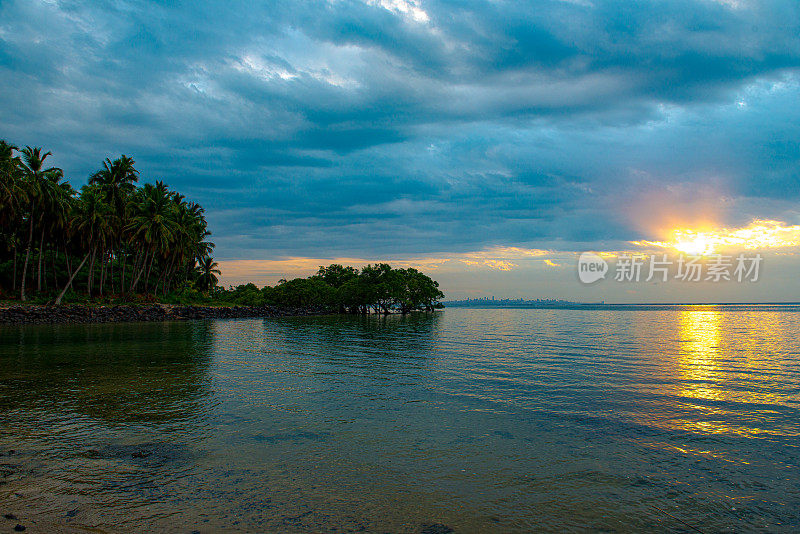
pixel 488 143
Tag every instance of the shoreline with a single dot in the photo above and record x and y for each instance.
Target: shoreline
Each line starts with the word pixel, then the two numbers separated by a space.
pixel 124 313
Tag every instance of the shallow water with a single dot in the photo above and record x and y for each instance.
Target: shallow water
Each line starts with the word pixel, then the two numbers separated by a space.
pixel 470 420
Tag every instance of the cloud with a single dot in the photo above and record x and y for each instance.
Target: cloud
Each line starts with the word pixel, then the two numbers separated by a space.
pixel 758 235
pixel 404 128
pixel 491 259
pixel 406 8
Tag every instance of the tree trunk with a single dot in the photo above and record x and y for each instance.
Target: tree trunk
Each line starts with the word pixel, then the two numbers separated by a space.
pixel 14 282
pixel 71 278
pixel 103 259
pixel 68 263
pixel 27 258
pixel 134 278
pixel 149 270
pixel 139 274
pixel 44 271
pixel 41 252
pixel 159 282
pixel 90 282
pixel 55 272
pixel 168 275
pixel 122 275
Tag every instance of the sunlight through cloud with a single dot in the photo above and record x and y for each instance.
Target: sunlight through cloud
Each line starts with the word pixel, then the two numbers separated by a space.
pixel 408 8
pixel 760 234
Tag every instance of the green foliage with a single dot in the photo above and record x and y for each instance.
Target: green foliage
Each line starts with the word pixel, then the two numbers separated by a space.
pixel 206 271
pixel 336 275
pixel 376 288
pixel 303 292
pixel 111 238
pixel 244 295
pixel 186 293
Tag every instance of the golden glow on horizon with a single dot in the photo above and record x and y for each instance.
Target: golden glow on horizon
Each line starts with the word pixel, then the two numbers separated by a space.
pixel 497 258
pixel 760 234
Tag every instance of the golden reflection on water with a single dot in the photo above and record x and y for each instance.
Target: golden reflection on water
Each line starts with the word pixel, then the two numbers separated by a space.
pixel 729 373
pixel 700 335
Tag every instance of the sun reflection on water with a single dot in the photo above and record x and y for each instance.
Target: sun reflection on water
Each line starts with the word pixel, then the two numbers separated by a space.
pixel 728 385
pixel 700 332
pixel 700 372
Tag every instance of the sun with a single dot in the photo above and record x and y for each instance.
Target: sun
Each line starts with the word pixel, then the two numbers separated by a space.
pixel 693 243
pixel 760 234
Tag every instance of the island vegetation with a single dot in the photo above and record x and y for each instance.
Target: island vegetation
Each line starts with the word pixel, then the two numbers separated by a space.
pixel 115 241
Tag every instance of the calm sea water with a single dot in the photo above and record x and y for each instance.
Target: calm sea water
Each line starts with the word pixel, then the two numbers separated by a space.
pixel 470 420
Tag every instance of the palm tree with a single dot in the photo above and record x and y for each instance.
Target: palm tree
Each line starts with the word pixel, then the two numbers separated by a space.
pixel 153 231
pixel 32 168
pixel 96 224
pixel 51 195
pixel 62 202
pixel 183 239
pixel 10 186
pixel 73 241
pixel 12 198
pixel 190 245
pixel 117 181
pixel 116 175
pixel 206 270
pixel 153 224
pixel 93 223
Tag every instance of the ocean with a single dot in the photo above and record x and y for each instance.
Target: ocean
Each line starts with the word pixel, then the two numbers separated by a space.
pixel 678 419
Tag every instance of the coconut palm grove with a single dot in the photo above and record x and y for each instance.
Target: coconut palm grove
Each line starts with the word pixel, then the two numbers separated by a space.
pixel 118 240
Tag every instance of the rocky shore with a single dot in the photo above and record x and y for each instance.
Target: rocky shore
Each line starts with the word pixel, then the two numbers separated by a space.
pixel 33 314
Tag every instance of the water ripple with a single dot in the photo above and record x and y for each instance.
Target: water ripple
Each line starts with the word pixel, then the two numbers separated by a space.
pixel 477 420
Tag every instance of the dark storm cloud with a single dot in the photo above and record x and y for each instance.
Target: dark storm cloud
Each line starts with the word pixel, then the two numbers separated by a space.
pixel 386 127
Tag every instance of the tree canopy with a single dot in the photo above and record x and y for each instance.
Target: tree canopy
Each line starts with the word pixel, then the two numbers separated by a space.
pixel 111 236
pixel 376 288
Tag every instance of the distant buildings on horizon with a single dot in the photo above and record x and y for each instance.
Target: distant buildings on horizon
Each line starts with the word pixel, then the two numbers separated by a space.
pixel 492 301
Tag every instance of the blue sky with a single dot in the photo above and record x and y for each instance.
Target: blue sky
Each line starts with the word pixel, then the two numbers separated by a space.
pixel 475 139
